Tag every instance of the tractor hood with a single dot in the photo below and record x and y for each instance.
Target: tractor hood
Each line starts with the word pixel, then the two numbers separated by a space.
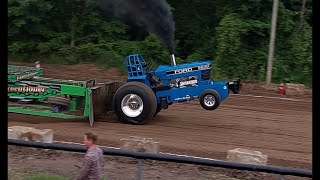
pixel 183 68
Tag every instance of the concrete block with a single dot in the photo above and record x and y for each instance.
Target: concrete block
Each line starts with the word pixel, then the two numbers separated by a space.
pixel 247 156
pixel 139 144
pixel 30 134
pixel 294 89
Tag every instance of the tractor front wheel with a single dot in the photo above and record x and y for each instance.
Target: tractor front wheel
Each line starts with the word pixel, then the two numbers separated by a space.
pixel 135 103
pixel 210 99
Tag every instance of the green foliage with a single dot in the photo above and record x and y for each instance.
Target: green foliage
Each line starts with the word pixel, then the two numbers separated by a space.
pixel 233 33
pixel 297 57
pixel 229 46
pixel 195 57
pixel 110 59
pixel 229 34
pixel 153 50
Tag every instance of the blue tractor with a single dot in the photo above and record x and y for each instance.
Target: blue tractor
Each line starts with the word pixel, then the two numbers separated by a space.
pixel 149 90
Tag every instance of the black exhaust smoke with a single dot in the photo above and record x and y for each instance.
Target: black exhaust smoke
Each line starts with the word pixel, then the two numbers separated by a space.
pixel 154 15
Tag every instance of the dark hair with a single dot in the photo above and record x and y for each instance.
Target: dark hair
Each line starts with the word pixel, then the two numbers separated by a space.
pixel 91 136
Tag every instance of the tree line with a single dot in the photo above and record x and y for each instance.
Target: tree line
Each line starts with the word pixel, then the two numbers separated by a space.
pixel 234 34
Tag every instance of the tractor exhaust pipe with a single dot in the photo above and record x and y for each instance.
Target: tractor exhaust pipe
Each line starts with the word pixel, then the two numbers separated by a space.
pixel 173 60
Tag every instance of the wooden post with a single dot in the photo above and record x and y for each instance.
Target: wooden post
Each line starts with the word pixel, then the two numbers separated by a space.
pixel 272 39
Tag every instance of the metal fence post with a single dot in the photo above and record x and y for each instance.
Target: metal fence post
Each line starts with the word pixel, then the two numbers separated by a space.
pixel 139 169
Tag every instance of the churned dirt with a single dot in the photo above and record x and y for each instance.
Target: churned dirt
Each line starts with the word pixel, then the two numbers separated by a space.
pixel 279 126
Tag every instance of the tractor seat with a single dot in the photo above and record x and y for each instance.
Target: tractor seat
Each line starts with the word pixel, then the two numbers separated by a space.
pixel 154 81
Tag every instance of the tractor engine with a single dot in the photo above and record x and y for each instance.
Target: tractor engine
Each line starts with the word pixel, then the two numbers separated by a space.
pixel 184 75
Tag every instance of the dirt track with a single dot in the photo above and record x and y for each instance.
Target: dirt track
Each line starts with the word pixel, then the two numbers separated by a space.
pixel 278 128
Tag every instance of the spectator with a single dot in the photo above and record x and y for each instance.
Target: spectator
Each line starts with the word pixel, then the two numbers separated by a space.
pixel 93 162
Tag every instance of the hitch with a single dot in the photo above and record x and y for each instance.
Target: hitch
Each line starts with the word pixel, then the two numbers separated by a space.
pixel 234 85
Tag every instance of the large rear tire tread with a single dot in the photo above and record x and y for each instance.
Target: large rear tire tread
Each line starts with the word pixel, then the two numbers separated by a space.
pixel 145 93
pixel 159 108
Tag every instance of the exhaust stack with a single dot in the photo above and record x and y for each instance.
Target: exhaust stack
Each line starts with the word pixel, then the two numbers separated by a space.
pixel 173 60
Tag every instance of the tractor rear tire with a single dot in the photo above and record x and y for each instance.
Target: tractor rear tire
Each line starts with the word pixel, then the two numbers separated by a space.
pixel 210 99
pixel 135 103
pixel 159 108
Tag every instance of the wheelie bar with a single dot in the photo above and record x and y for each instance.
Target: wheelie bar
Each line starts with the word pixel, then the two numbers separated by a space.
pixel 234 85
